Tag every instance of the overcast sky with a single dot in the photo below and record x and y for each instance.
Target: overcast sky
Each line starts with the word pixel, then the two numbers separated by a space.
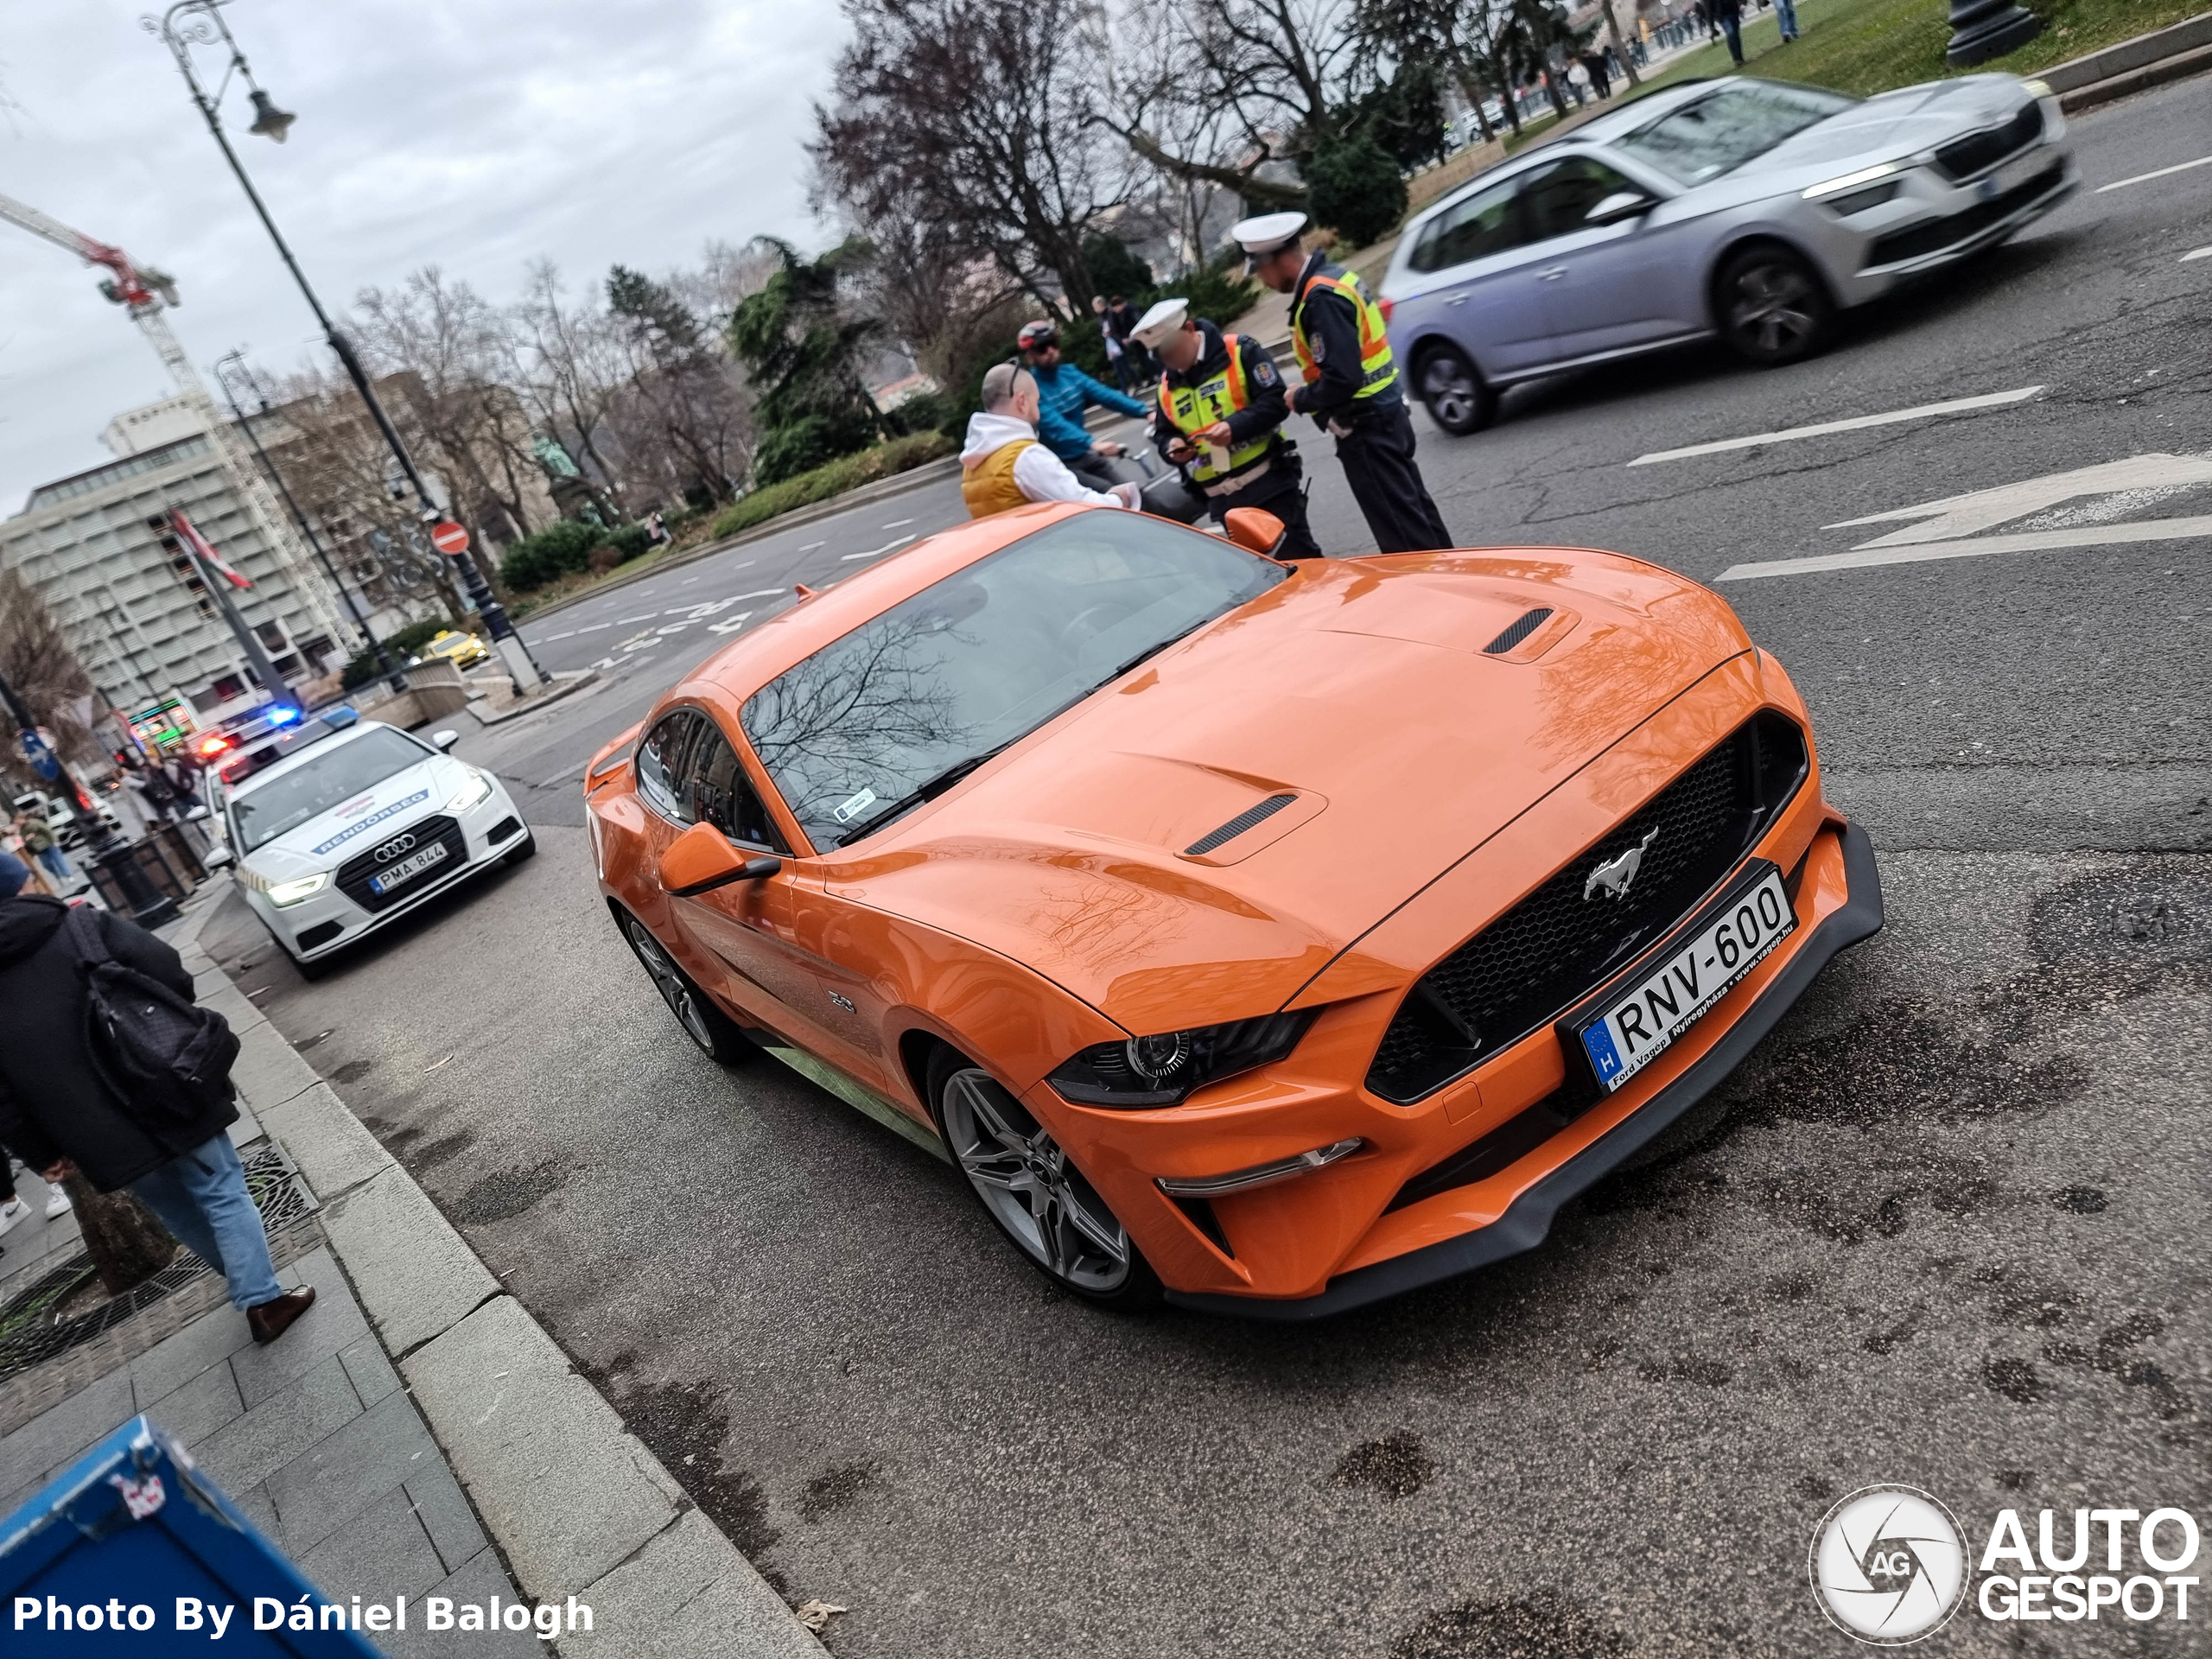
pixel 476 135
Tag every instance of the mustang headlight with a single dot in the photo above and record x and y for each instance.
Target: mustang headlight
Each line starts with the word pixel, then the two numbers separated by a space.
pixel 1837 186
pixel 291 893
pixel 1162 1071
pixel 477 786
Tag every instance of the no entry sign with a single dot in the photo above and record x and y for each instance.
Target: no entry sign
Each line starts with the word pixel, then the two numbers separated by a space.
pixel 449 537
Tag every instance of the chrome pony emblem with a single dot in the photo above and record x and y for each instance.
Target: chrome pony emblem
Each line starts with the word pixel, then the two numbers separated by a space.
pixel 1614 876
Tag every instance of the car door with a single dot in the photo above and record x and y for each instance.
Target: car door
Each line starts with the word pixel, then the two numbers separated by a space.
pixel 739 941
pixel 1475 281
pixel 1606 288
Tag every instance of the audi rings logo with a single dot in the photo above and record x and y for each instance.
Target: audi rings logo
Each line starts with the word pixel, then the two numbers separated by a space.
pixel 1888 1565
pixel 393 848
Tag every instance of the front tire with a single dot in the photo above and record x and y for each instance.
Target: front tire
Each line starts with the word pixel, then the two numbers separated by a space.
pixel 1030 1188
pixel 1453 392
pixel 1772 308
pixel 714 1031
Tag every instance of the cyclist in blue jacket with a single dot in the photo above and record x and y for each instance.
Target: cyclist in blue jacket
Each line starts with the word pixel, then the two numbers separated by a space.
pixel 1063 392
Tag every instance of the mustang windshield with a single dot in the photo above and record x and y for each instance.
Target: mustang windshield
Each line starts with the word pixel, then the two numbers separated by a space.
pixel 289 799
pixel 1729 126
pixel 877 720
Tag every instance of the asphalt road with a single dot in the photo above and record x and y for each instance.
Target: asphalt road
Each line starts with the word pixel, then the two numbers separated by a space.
pixel 1947 1226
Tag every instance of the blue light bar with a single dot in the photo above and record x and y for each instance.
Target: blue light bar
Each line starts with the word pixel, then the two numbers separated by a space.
pixel 339 715
pixel 280 716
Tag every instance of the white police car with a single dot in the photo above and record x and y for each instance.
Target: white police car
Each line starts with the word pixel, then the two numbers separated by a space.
pixel 353 822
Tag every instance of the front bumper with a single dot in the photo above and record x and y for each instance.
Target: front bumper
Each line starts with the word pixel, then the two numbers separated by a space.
pixel 487 838
pixel 1526 1220
pixel 1934 222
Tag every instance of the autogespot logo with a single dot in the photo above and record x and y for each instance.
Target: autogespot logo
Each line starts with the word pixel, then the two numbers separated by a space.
pixel 1888 1565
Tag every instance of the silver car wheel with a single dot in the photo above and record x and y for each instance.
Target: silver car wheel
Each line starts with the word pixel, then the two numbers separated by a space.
pixel 668 980
pixel 1448 387
pixel 1031 1189
pixel 1772 308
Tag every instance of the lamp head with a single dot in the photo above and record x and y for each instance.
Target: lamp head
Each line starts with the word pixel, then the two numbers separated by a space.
pixel 268 121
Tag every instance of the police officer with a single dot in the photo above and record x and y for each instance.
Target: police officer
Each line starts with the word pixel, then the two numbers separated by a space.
pixel 1351 381
pixel 1218 415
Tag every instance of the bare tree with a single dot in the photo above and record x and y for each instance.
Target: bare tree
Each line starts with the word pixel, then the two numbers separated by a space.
pixel 36 660
pixel 682 387
pixel 571 362
pixel 980 118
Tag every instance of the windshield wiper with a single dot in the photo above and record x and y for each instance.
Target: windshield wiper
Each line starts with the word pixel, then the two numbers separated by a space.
pixel 927 790
pixel 1152 651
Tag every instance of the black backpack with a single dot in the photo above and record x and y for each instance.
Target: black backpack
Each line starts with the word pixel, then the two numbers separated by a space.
pixel 165 1057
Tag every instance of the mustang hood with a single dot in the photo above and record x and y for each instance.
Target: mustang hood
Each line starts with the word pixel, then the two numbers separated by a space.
pixel 358 822
pixel 1197 842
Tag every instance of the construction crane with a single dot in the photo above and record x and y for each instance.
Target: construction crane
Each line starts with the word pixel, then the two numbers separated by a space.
pixel 146 294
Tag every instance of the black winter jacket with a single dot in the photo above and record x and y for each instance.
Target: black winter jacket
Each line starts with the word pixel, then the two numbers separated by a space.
pixel 52 1104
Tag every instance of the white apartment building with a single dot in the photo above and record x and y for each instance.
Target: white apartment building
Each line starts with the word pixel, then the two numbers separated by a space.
pixel 136 615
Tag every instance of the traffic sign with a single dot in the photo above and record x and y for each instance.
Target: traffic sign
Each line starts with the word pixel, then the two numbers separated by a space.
pixel 449 537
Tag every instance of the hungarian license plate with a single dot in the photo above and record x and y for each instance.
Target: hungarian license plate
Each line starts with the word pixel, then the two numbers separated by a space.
pixel 1668 998
pixel 408 868
pixel 2017 171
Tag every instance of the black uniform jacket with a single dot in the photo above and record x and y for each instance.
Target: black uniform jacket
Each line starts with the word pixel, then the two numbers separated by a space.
pixel 1264 409
pixel 1331 327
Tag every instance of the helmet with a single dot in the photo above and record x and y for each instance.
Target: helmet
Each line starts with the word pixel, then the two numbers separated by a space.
pixel 1038 336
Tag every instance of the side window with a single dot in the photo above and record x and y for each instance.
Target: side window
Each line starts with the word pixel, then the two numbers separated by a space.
pixel 1560 198
pixel 1485 222
pixel 661 760
pixel 716 791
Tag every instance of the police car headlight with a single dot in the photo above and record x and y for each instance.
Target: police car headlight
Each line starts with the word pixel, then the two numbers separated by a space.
pixel 477 786
pixel 291 893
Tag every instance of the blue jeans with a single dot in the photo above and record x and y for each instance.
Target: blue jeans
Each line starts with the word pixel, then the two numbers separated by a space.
pixel 1785 13
pixel 1733 28
pixel 201 1197
pixel 57 864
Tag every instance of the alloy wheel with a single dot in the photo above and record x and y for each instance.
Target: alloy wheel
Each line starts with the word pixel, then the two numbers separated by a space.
pixel 1773 310
pixel 1455 398
pixel 670 980
pixel 1032 1190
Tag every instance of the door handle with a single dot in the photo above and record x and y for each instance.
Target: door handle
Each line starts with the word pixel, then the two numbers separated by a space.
pixel 1551 273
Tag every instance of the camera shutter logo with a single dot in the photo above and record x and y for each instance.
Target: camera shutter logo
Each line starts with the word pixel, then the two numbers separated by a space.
pixel 1888 1565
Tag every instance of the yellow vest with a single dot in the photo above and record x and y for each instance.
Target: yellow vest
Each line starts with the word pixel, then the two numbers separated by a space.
pixel 1191 409
pixel 1378 370
pixel 989 485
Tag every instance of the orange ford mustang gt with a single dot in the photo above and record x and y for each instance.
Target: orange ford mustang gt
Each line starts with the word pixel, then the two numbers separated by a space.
pixel 1277 938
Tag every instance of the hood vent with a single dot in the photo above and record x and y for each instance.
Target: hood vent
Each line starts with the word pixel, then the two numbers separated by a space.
pixel 1527 625
pixel 1244 821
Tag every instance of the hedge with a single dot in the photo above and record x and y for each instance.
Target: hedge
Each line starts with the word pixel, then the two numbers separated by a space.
pixel 835 478
pixel 563 548
pixel 401 643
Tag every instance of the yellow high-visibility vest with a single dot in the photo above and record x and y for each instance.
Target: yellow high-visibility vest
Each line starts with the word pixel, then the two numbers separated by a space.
pixel 1191 409
pixel 988 487
pixel 1378 368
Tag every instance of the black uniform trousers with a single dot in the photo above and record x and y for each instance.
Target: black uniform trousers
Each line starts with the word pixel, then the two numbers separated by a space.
pixel 1378 461
pixel 1281 491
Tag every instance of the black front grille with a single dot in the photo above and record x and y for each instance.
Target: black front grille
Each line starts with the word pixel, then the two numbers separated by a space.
pixel 353 876
pixel 1962 158
pixel 1941 233
pixel 1561 940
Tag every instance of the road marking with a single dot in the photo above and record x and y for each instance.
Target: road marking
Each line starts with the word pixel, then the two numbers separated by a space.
pixel 766 592
pixel 877 552
pixel 728 624
pixel 595 627
pixel 647 617
pixel 1951 525
pixel 899 524
pixel 687 581
pixel 1789 434
pixel 550 638
pixel 2145 178
pixel 2196 253
pixel 810 546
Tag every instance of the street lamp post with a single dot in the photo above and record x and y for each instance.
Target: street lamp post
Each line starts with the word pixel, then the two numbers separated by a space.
pixel 199 23
pixel 386 666
pixel 150 907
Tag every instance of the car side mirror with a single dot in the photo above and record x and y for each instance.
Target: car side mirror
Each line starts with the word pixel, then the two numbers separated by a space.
pixel 702 858
pixel 1622 204
pixel 445 740
pixel 1254 529
pixel 217 858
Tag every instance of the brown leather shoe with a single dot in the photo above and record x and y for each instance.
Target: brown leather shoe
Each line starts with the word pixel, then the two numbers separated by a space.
pixel 272 1319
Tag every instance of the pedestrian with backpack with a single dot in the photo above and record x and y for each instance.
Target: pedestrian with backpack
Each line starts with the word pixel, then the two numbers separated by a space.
pixel 108 1068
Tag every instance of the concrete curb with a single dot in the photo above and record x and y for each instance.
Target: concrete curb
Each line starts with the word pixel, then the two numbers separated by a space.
pixel 562 686
pixel 577 1503
pixel 2133 65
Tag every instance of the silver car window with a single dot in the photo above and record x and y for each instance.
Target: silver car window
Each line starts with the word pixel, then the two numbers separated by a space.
pixel 1558 200
pixel 1485 222
pixel 1729 126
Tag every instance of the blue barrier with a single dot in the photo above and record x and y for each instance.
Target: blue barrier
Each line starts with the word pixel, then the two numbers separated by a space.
pixel 134 1550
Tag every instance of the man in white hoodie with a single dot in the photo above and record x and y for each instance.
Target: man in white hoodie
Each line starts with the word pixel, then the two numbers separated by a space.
pixel 1003 465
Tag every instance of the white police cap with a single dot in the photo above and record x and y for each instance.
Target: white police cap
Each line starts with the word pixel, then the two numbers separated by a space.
pixel 1269 231
pixel 1163 320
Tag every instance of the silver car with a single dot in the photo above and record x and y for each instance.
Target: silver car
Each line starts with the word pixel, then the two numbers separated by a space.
pixel 1749 209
